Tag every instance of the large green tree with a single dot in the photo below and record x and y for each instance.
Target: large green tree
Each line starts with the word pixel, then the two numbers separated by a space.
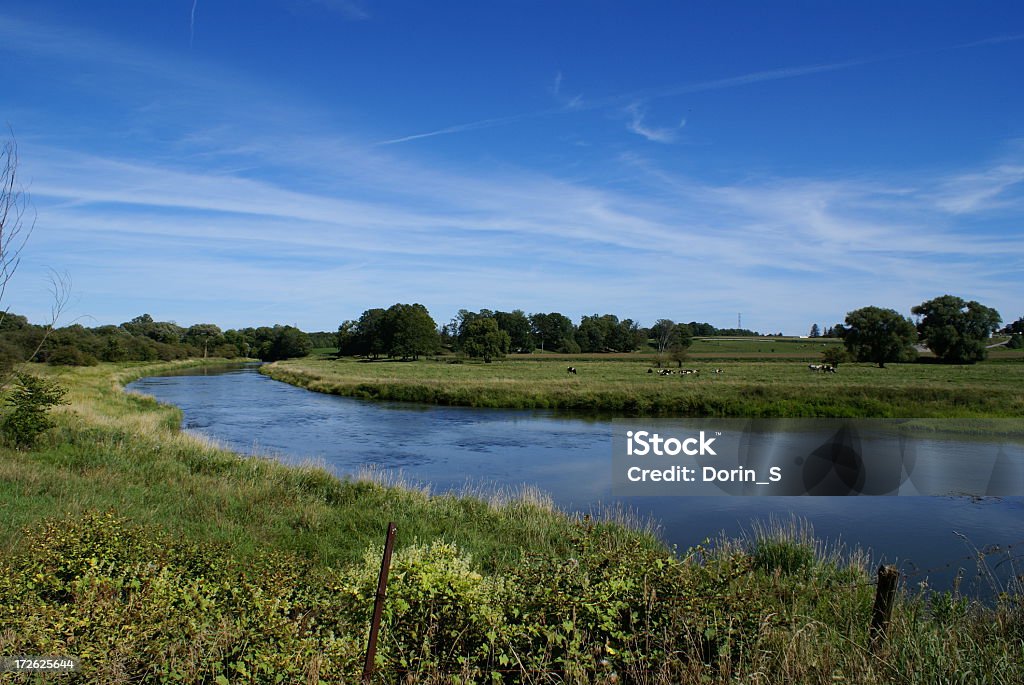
pixel 410 331
pixel 204 336
pixel 285 342
pixel 483 339
pixel 955 330
pixel 877 335
pixel 681 339
pixel 517 325
pixel 663 331
pixel 553 331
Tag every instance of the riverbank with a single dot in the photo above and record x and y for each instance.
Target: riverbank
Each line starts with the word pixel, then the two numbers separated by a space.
pixel 623 386
pixel 153 556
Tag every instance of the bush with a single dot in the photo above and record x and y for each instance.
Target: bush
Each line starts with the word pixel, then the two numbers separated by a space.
pixel 1016 341
pixel 834 355
pixel 440 615
pixel 30 400
pixel 66 355
pixel 138 606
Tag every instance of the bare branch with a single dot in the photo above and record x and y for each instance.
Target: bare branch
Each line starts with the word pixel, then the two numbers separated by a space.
pixel 17 216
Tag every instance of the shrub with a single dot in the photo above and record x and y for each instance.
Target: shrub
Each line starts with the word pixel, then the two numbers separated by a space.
pixel 441 616
pixel 30 400
pixel 138 606
pixel 67 355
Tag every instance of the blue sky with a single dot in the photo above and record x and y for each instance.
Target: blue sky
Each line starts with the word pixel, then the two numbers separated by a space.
pixel 298 161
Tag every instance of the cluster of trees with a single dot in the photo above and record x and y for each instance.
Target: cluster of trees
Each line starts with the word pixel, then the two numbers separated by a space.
pixel 823 332
pixel 407 331
pixel 403 330
pixel 143 339
pixel 956 331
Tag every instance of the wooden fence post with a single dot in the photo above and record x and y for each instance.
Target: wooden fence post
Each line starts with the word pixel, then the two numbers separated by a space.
pixel 885 595
pixel 378 603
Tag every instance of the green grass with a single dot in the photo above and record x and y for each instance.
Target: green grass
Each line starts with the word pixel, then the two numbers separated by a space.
pixel 208 567
pixel 113 450
pixel 621 385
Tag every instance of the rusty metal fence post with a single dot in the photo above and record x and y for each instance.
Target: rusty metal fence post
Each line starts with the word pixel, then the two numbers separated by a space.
pixel 378 603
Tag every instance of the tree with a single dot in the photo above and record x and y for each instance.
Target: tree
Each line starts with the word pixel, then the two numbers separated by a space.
pixel 15 229
pixel 956 331
pixel 517 325
pixel 370 333
pixel 30 401
pixel 1017 327
pixel 554 331
pixel 14 207
pixel 410 331
pixel 204 335
pixel 815 331
pixel 834 355
pixel 625 336
pixel 872 334
pixel 682 338
pixel 483 339
pixel 592 333
pixel 663 331
pixel 285 342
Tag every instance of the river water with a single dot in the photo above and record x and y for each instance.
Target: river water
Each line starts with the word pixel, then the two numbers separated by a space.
pixel 452 448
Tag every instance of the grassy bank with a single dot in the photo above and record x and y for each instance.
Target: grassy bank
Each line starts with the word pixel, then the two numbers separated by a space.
pixel 116 450
pixel 155 557
pixel 745 388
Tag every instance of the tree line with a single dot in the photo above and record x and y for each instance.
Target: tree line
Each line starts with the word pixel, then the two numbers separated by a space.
pixel 144 339
pixel 955 330
pixel 407 331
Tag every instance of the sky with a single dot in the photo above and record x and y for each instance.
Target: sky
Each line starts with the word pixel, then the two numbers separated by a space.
pixel 252 162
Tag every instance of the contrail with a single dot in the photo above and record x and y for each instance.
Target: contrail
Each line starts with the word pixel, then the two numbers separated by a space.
pixel 686 88
pixel 192 24
pixel 613 100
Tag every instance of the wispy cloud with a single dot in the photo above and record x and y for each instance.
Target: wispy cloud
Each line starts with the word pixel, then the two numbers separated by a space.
pixel 577 103
pixel 801 249
pixel 638 125
pixel 980 191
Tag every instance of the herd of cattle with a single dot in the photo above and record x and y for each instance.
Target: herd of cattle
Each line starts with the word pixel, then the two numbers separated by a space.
pixel 821 368
pixel 681 372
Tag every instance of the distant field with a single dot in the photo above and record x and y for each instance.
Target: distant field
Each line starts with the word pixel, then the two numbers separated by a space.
pixel 703 348
pixel 752 384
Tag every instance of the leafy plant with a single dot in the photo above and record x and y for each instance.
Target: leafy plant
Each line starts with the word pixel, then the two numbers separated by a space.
pixel 30 400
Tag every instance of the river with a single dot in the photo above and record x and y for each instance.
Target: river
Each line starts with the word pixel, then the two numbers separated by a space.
pixel 454 448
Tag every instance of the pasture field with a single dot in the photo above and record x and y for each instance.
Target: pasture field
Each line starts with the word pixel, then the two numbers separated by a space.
pixel 764 386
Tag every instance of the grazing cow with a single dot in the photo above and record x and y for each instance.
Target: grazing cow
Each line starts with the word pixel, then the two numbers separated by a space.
pixel 650 370
pixel 718 371
pixel 814 367
pixel 572 370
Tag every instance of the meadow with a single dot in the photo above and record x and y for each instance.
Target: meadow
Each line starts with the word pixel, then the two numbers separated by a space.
pixel 154 556
pixel 759 378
